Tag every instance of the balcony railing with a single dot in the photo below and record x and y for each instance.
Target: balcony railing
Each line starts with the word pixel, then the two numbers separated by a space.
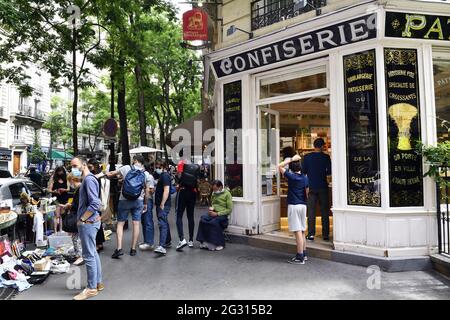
pixel 28 111
pixel 268 12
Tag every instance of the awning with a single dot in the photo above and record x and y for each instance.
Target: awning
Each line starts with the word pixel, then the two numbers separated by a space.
pixel 61 155
pixel 196 126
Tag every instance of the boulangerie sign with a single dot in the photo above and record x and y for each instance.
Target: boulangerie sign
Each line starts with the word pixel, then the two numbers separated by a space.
pixel 344 33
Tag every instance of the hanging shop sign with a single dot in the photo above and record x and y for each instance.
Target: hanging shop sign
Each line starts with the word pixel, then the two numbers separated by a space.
pixel 5 154
pixel 352 31
pixel 195 25
pixel 402 94
pixel 417 26
pixel 363 161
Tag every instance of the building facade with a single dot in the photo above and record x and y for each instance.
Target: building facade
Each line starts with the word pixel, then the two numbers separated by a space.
pixel 372 78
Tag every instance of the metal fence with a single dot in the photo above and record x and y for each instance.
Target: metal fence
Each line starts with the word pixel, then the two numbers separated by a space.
pixel 442 206
pixel 267 12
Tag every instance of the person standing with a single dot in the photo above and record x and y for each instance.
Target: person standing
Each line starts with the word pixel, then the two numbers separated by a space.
pixel 296 199
pixel 88 225
pixel 35 176
pixel 317 166
pixel 186 198
pixel 136 181
pixel 59 187
pixel 148 227
pixel 162 204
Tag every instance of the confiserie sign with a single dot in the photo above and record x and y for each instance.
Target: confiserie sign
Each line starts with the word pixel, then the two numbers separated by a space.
pixel 417 26
pixel 351 31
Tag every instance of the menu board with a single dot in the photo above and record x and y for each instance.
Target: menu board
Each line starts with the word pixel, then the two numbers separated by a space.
pixel 232 123
pixel 403 112
pixel 363 165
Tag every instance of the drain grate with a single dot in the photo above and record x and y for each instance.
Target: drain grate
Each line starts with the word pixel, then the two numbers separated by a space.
pixel 249 259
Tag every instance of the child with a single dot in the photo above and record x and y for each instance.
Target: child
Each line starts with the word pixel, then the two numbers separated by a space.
pixel 296 199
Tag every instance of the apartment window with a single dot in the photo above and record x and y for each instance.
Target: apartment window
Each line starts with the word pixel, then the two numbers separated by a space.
pixel 441 71
pixel 84 143
pixel 267 12
pixel 17 132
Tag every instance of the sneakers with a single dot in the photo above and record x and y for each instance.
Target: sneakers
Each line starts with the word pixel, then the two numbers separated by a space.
pixel 160 250
pixel 296 260
pixel 218 248
pixel 146 247
pixel 181 244
pixel 133 252
pixel 191 244
pixel 203 246
pixel 86 294
pixel 168 245
pixel 100 287
pixel 310 238
pixel 78 262
pixel 117 253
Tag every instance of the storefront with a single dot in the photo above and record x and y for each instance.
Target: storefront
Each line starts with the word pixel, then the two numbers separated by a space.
pixel 372 82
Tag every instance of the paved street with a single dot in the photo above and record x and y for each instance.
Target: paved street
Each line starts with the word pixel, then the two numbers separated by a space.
pixel 239 272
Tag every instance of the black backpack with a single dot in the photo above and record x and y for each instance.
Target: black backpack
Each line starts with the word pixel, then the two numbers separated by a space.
pixel 190 174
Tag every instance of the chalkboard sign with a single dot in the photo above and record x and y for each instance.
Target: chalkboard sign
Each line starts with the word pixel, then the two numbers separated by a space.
pixel 232 123
pixel 405 164
pixel 363 165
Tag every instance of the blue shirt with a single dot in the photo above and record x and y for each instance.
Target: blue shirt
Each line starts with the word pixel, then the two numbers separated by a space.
pixel 317 166
pixel 297 184
pixel 163 181
pixel 88 198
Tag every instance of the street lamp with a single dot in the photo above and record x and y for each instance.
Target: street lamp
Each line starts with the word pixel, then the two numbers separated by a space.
pixel 300 4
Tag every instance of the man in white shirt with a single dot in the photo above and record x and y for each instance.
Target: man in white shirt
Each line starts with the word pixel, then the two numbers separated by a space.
pixel 135 207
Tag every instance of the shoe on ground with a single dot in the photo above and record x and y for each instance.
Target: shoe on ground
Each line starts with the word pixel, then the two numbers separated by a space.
pixel 295 260
pixel 146 247
pixel 100 287
pixel 79 262
pixel 117 253
pixel 218 248
pixel 160 250
pixel 191 244
pixel 305 258
pixel 183 243
pixel 310 238
pixel 86 294
pixel 326 238
pixel 133 252
pixel 203 246
pixel 168 245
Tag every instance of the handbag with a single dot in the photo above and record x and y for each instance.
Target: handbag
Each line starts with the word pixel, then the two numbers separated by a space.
pixel 70 223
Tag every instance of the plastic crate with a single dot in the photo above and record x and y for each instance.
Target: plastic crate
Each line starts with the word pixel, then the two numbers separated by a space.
pixel 59 239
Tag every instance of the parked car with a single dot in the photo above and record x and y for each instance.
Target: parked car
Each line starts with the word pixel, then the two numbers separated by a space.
pixel 5 175
pixel 12 188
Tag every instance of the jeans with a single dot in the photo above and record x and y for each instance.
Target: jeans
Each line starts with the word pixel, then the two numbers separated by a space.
pixel 87 233
pixel 164 229
pixel 186 201
pixel 148 228
pixel 127 206
pixel 320 195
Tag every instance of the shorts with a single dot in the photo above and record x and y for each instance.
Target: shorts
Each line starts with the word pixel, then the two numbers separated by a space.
pixel 297 217
pixel 127 206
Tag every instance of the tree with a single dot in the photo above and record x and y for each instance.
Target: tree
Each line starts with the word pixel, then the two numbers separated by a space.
pixel 36 154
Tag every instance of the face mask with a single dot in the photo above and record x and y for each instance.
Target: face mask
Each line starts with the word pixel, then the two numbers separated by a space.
pixel 218 191
pixel 76 172
pixel 158 171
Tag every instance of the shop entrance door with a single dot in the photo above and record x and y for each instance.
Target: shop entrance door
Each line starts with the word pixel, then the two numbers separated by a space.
pixel 16 163
pixel 269 178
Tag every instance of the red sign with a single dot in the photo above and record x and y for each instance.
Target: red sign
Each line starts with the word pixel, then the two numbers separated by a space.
pixel 195 25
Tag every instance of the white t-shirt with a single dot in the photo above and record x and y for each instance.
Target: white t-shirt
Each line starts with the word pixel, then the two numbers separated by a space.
pixel 149 180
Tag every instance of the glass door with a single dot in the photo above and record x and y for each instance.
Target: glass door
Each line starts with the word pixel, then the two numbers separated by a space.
pixel 269 178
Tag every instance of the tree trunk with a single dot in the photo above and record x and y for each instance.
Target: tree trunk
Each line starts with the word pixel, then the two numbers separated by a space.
pixel 153 137
pixel 75 94
pixel 141 105
pixel 121 109
pixel 112 156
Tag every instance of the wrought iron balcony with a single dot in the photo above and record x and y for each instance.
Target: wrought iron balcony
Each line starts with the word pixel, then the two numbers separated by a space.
pixel 30 112
pixel 268 12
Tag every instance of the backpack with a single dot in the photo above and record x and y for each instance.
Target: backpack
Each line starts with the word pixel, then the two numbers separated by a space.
pixel 133 184
pixel 190 174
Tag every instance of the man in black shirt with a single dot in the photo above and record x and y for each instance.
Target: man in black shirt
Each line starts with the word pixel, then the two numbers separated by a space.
pixel 35 176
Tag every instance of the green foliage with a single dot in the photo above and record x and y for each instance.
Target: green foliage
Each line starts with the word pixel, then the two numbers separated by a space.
pixel 37 155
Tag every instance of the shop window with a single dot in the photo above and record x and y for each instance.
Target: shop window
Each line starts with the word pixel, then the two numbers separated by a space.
pixel 361 114
pixel 232 123
pixel 294 82
pixel 404 132
pixel 268 152
pixel 441 71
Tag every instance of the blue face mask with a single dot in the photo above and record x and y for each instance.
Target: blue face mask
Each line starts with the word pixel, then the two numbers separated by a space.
pixel 158 170
pixel 76 172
